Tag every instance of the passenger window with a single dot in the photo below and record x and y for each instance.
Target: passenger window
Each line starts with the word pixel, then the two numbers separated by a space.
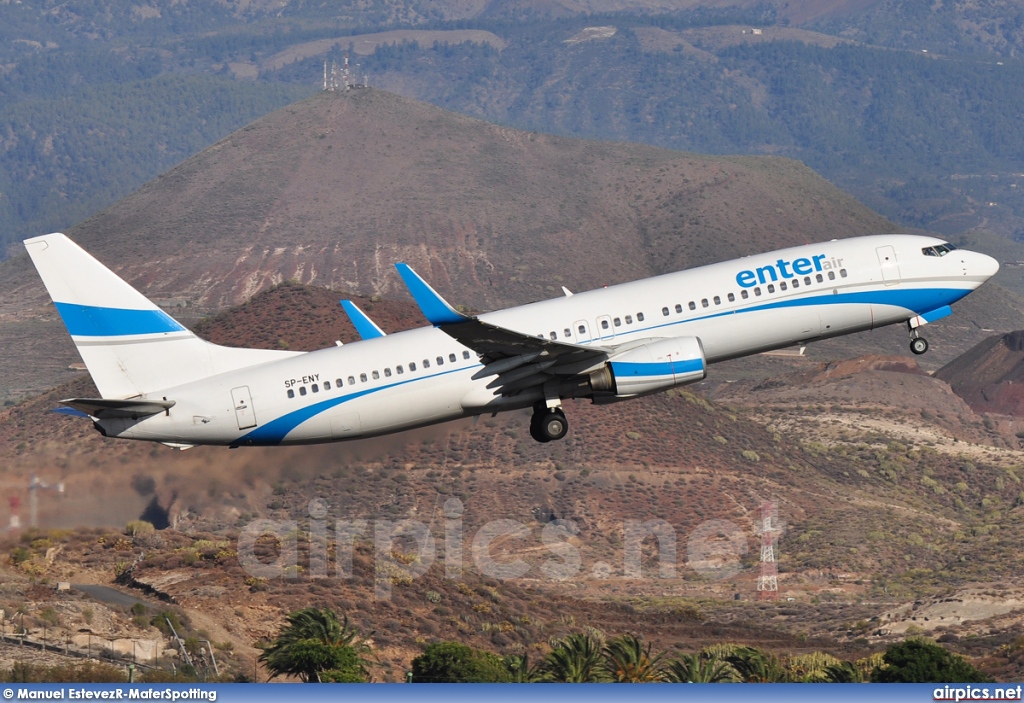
pixel 338 383
pixel 465 354
pixel 553 336
pixel 704 302
pixel 440 361
pixel 582 329
pixel 744 294
pixel 617 322
pixel 604 324
pixel 426 363
pixel 302 390
pixel 732 298
pixel 693 305
pixel 718 301
pixel 567 332
pixel 831 275
pixel 782 285
pixel 376 375
pixel 399 370
pixel 316 388
pixel 664 311
pixel 679 308
pixel 327 385
pixel 842 273
pixel 819 278
pixel 387 373
pixel 291 393
pixel 639 317
pixel 352 380
pixel 412 365
pixel 629 319
pixel 795 282
pixel 807 280
pixel 771 287
pixel 452 358
pixel 757 291
pixel 362 377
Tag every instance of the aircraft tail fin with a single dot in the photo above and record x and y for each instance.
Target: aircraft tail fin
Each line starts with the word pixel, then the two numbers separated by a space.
pixel 130 346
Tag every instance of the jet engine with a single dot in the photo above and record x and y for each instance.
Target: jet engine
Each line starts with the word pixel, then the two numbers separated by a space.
pixel 651 367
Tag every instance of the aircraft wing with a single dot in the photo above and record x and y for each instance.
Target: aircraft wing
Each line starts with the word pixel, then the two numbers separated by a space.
pixel 518 360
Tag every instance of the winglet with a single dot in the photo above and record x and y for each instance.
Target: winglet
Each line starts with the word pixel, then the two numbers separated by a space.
pixel 435 308
pixel 366 327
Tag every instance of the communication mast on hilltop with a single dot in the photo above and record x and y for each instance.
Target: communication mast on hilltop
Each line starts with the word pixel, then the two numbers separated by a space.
pixel 332 81
pixel 768 581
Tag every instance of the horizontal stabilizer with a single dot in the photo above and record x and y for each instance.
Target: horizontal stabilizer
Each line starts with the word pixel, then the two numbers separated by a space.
pixel 435 308
pixel 106 408
pixel 69 411
pixel 366 327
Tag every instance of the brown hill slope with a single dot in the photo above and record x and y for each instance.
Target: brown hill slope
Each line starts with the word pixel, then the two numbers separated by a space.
pixel 990 375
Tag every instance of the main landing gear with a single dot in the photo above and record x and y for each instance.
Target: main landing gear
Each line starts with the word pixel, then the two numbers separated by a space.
pixel 918 344
pixel 548 424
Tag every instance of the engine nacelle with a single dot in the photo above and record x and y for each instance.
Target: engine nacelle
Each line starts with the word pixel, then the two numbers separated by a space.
pixel 652 367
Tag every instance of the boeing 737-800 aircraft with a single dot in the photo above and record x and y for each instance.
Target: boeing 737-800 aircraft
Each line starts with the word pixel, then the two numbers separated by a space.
pixel 160 382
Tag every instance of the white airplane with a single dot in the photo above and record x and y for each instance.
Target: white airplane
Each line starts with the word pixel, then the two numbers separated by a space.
pixel 159 382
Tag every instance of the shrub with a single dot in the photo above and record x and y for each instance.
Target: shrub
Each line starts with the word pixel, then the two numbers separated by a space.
pixel 452 662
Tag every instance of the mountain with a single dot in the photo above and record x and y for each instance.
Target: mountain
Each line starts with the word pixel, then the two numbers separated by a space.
pixel 334 189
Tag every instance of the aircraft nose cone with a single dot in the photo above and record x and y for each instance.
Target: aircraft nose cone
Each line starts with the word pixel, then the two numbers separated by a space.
pixel 986 265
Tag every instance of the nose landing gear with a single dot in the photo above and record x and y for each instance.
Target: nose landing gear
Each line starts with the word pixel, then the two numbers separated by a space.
pixel 548 424
pixel 918 344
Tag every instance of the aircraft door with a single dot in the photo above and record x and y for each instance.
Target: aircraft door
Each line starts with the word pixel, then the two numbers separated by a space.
pixel 603 328
pixel 244 413
pixel 581 329
pixel 890 267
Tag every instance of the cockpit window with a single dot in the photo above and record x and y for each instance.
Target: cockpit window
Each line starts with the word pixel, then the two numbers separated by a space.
pixel 938 250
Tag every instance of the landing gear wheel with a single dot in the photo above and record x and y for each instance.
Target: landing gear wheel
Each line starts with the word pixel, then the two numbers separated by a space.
pixel 548 424
pixel 919 345
pixel 535 429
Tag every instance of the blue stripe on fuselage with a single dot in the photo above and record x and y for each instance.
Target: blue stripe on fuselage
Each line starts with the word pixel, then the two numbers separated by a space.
pixel 91 321
pixel 276 430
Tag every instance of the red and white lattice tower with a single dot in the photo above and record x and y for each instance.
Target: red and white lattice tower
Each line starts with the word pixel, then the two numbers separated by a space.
pixel 768 581
pixel 15 503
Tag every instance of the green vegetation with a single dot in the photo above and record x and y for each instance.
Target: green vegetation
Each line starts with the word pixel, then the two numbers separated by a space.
pixel 316 646
pixel 452 662
pixel 920 661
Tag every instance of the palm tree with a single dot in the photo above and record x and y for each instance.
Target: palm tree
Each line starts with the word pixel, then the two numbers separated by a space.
pixel 757 666
pixel 575 659
pixel 519 669
pixel 626 660
pixel 843 672
pixel 700 667
pixel 315 642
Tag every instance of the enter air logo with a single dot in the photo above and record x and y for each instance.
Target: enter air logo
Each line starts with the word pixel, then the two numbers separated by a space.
pixel 782 269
